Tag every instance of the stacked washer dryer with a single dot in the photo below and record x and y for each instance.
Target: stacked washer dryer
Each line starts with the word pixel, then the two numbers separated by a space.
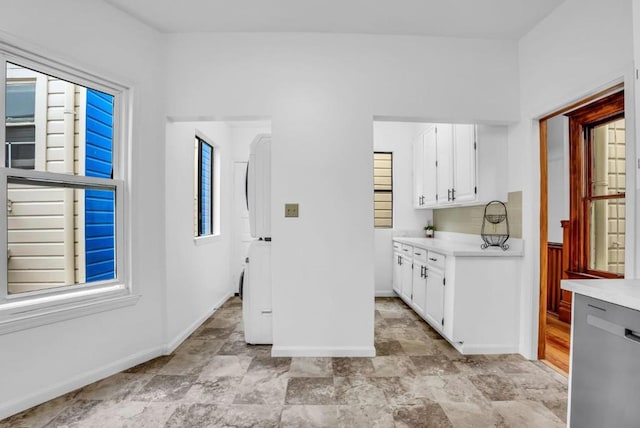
pixel 256 287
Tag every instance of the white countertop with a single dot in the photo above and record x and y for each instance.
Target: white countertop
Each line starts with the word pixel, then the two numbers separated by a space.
pixel 623 292
pixel 459 249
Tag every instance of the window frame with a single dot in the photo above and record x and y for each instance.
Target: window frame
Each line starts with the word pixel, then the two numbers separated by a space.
pixel 30 309
pixel 581 124
pixel 201 142
pixel 380 191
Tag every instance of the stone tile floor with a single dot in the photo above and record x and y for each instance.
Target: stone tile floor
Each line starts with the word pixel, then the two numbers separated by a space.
pixel 214 379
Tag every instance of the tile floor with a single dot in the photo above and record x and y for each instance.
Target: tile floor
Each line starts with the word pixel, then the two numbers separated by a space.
pixel 214 379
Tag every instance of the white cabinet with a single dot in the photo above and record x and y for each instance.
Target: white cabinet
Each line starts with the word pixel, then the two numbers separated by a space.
pixel 406 273
pixel 419 294
pixel 434 311
pixel 469 299
pixel 397 267
pixel 460 164
pixel 429 168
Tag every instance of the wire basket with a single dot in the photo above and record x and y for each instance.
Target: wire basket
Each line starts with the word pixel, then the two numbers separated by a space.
pixel 495 226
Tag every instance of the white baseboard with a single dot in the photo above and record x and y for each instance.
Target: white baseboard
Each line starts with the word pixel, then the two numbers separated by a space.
pixel 181 337
pixel 324 351
pixel 19 404
pixel 386 293
pixel 487 349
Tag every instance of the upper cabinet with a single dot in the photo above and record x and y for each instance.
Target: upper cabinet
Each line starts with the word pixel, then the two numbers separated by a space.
pixel 459 164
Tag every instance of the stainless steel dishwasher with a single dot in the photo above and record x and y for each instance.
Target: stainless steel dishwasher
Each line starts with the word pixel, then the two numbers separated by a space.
pixel 605 371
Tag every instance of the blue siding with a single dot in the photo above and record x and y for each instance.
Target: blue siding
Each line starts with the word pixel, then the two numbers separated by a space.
pixel 205 189
pixel 99 204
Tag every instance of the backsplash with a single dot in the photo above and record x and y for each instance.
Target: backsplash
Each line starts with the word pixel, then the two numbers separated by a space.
pixel 469 219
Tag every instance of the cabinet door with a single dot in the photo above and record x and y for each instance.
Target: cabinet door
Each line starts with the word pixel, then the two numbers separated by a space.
pixel 430 172
pixel 418 172
pixel 419 288
pixel 397 275
pixel 444 142
pixel 464 160
pixel 434 309
pixel 407 279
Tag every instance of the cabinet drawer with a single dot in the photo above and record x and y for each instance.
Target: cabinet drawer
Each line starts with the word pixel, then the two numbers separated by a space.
pixel 419 255
pixel 406 250
pixel 397 247
pixel 435 261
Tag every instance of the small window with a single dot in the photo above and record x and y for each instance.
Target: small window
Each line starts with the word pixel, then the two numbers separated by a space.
pixel 383 189
pixel 20 123
pixel 204 188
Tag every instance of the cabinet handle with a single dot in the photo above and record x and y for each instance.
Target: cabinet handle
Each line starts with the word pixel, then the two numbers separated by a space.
pixel 433 259
pixel 453 194
pixel 448 194
pixel 629 334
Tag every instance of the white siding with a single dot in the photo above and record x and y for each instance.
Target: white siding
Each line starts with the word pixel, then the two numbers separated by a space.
pixel 46 247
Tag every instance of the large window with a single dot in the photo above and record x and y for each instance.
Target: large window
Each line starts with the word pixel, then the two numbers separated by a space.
pixel 598 185
pixel 204 188
pixel 383 189
pixel 61 184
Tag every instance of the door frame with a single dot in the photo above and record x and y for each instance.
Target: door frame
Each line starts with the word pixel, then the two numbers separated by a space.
pixel 544 213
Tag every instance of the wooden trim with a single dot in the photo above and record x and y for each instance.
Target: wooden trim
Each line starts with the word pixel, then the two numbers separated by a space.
pixel 584 101
pixel 542 310
pixel 554 275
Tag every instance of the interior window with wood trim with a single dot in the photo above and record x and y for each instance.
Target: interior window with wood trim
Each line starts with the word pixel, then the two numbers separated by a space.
pixel 598 183
pixel 204 188
pixel 383 189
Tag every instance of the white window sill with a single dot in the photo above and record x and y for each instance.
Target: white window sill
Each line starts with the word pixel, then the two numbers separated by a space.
pixel 204 240
pixel 16 316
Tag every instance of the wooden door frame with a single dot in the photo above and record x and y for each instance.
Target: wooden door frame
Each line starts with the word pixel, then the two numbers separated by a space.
pixel 544 213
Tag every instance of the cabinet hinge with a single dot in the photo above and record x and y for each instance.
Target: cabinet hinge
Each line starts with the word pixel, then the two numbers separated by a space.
pixel 444 281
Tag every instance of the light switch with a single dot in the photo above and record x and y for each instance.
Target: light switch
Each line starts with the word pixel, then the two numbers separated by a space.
pixel 291 210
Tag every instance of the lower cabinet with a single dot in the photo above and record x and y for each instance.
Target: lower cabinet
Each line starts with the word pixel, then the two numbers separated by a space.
pixel 406 273
pixel 419 296
pixel 471 300
pixel 434 308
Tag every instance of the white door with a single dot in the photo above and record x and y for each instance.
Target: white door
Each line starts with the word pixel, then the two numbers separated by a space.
pixel 430 172
pixel 444 141
pixel 407 277
pixel 418 200
pixel 397 273
pixel 419 288
pixel 464 159
pixel 434 309
pixel 241 233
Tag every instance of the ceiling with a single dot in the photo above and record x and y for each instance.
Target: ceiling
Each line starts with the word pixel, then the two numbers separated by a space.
pixel 497 19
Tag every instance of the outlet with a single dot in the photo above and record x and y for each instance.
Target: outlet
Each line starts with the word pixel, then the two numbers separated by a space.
pixel 291 210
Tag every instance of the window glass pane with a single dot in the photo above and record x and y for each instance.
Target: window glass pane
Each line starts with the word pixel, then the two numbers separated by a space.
pixel 608 158
pixel 382 189
pixel 20 102
pixel 59 236
pixel 70 125
pixel 205 189
pixel 606 235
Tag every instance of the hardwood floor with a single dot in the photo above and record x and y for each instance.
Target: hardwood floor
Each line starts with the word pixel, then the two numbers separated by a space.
pixel 557 337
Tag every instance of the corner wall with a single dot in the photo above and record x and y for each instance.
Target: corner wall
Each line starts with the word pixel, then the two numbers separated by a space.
pixel 40 363
pixel 322 92
pixel 583 46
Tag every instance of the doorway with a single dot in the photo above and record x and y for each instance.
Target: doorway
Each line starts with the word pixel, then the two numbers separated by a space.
pixel 582 209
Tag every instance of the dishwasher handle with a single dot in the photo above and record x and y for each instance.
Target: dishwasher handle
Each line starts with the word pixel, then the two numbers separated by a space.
pixel 629 334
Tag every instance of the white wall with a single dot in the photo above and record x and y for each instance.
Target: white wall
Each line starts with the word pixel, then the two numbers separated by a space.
pixel 582 46
pixel 557 175
pixel 43 362
pixel 397 137
pixel 198 270
pixel 322 92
